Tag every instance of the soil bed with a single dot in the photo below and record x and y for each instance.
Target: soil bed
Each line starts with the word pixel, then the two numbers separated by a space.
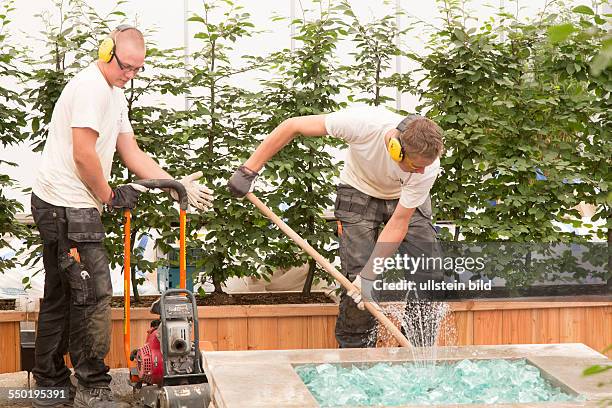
pixel 7 304
pixel 223 299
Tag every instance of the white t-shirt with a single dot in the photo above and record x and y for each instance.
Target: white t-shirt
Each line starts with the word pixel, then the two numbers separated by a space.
pixel 87 101
pixel 368 166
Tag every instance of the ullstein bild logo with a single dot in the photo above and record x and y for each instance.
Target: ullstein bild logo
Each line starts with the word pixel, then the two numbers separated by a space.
pixel 431 285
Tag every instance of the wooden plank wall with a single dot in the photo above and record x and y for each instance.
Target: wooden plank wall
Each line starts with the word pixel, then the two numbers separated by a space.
pixel 293 327
pixel 10 356
pixel 591 325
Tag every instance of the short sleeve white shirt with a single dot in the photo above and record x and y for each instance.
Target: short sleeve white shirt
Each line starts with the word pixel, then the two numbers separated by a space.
pixel 87 101
pixel 368 166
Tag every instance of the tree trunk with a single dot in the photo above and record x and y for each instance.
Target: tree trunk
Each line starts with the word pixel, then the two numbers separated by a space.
pixel 217 283
pixel 312 265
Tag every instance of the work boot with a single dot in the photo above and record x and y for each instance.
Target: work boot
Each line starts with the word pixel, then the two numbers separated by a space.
pixel 45 403
pixel 96 398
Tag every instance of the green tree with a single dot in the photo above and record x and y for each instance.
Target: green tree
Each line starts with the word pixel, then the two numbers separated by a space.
pixel 375 45
pixel 307 81
pixel 581 50
pixel 12 125
pixel 522 137
pixel 216 138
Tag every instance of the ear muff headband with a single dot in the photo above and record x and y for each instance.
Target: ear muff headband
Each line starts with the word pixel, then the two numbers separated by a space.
pixel 395 147
pixel 106 50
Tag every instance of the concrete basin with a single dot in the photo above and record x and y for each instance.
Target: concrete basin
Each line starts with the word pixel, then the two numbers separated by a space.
pixel 268 379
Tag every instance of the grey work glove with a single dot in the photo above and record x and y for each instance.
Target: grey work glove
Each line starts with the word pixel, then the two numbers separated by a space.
pixel 241 181
pixel 363 293
pixel 126 195
pixel 199 195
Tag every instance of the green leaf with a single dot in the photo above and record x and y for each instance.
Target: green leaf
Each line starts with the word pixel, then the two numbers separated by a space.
pixel 459 34
pixel 600 20
pixel 596 369
pixel 197 18
pixel 583 10
pixel 560 32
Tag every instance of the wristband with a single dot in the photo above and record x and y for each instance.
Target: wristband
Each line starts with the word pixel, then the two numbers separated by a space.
pixel 249 171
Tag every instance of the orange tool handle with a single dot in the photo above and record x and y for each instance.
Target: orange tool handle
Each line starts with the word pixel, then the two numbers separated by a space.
pixel 182 251
pixel 126 283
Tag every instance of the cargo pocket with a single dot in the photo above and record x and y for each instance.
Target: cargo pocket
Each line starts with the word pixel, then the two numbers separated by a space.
pixel 84 225
pixel 351 204
pixel 85 229
pixel 82 290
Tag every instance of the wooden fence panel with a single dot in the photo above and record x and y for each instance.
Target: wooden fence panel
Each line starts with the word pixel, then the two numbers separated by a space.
pixel 572 325
pixel 262 333
pixel 292 332
pixel 517 326
pixel 10 360
pixel 289 327
pixel 488 327
pixel 546 326
pixel 233 334
pixel 464 328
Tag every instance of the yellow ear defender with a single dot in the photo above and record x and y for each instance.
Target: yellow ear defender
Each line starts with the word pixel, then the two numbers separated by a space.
pixel 395 147
pixel 396 151
pixel 106 50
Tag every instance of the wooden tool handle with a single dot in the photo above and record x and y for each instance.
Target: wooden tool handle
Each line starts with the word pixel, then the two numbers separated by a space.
pixel 328 267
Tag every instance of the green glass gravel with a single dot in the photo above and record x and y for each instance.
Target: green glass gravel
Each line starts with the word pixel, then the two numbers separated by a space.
pixel 464 382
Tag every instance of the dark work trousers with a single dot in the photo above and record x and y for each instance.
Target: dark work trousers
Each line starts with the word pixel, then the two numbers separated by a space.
pixel 75 310
pixel 362 218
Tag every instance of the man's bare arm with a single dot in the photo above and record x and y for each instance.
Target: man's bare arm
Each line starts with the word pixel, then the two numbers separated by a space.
pixel 88 164
pixel 137 161
pixel 310 126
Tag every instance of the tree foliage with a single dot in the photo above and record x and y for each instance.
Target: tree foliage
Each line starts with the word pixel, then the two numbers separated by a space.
pixel 12 123
pixel 523 130
pixel 524 104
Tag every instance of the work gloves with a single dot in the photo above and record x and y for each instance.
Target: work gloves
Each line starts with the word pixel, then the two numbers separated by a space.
pixel 363 293
pixel 126 196
pixel 199 195
pixel 241 181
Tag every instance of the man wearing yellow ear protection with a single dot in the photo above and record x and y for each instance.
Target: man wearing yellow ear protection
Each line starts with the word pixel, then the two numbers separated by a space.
pixel 390 166
pixel 89 123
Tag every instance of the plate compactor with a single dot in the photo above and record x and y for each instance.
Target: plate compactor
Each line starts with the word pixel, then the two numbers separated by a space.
pixel 166 372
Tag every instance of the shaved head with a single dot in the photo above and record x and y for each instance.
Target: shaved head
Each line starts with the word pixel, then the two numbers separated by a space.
pixel 131 37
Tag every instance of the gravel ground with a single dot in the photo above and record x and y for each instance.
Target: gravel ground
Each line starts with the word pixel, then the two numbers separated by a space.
pixel 120 386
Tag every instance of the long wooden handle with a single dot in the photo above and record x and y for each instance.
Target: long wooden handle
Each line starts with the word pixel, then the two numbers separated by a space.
pixel 328 267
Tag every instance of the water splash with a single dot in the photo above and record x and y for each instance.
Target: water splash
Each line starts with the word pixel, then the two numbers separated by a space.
pixel 425 324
